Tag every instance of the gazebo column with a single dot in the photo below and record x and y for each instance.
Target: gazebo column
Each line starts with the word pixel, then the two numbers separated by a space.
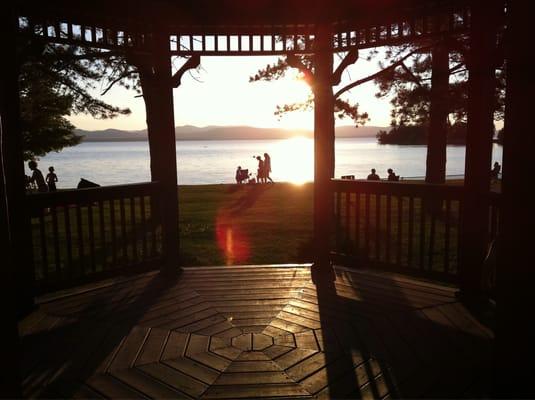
pixel 481 103
pixel 158 95
pixel 437 134
pixel 323 148
pixel 10 284
pixel 514 352
pixel 20 239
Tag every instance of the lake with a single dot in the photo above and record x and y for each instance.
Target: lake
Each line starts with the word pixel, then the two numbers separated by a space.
pixel 207 162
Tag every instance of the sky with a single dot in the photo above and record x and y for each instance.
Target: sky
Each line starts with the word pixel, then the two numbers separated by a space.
pixel 220 93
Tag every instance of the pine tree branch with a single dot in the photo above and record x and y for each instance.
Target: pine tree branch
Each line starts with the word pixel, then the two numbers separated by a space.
pixel 349 59
pixel 376 75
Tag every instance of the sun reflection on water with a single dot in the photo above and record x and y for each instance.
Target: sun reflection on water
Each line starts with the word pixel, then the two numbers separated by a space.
pixel 293 160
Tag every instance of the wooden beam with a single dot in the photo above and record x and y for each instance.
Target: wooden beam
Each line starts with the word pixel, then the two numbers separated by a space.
pixel 10 244
pixel 323 147
pixel 514 352
pixel 437 135
pixel 481 87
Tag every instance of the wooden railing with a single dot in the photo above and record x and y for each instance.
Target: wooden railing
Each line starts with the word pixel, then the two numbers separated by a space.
pixel 87 234
pixel 405 227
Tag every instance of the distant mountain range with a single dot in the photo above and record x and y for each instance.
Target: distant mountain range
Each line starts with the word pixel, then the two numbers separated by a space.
pixel 189 132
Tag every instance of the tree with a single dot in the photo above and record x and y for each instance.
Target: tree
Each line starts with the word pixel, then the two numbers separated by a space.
pixel 410 85
pixel 305 64
pixel 56 81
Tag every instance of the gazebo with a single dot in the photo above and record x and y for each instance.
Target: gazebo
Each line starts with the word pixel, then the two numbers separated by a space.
pixel 92 235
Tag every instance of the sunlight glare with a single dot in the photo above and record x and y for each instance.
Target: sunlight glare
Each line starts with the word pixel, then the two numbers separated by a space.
pixel 295 160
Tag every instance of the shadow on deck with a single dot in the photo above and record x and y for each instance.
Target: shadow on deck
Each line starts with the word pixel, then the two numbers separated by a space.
pixel 256 331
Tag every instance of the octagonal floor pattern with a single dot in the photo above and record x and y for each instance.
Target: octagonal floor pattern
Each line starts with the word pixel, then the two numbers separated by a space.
pixel 251 332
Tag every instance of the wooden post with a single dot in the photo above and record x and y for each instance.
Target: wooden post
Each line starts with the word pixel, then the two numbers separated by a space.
pixel 481 87
pixel 19 222
pixel 158 95
pixel 323 147
pixel 11 282
pixel 437 134
pixel 513 365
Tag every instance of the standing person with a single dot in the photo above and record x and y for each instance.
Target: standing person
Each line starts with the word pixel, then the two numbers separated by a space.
pixel 261 170
pixel 51 179
pixel 267 167
pixel 373 176
pixel 37 177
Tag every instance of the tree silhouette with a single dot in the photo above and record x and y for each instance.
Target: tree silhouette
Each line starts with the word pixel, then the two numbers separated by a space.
pixel 57 81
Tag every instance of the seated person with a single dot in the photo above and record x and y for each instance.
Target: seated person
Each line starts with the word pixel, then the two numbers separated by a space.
pixel 373 176
pixel 241 175
pixel 495 171
pixel 392 176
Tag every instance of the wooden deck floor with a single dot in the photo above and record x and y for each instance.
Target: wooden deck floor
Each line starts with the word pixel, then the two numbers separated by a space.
pixel 262 331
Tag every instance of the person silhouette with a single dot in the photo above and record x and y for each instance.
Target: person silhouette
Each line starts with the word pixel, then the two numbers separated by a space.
pixel 51 179
pixel 261 170
pixel 495 171
pixel 37 177
pixel 373 176
pixel 391 175
pixel 267 167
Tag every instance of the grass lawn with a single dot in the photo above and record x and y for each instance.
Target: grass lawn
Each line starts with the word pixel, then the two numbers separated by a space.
pixel 246 224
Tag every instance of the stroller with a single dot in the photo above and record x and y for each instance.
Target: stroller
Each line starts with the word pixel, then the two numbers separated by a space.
pixel 242 175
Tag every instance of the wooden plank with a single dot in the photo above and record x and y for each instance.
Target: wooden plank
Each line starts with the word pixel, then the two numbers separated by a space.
pixel 146 385
pixel 175 379
pixel 255 391
pixel 175 345
pixel 153 347
pixel 411 231
pixel 192 368
pixel 110 387
pixel 130 349
pixel 252 378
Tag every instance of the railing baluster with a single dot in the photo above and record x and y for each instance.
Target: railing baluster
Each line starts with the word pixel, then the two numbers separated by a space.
pixel 68 238
pixel 447 231
pixel 44 250
pixel 133 230
pixel 348 213
pixel 377 227
pixel 124 239
pixel 91 237
pixel 144 227
pixel 388 225
pixel 367 225
pixel 357 223
pixel 102 227
pixel 400 229
pixel 113 234
pixel 422 231
pixel 55 235
pixel 81 255
pixel 431 240
pixel 338 223
pixel 411 231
